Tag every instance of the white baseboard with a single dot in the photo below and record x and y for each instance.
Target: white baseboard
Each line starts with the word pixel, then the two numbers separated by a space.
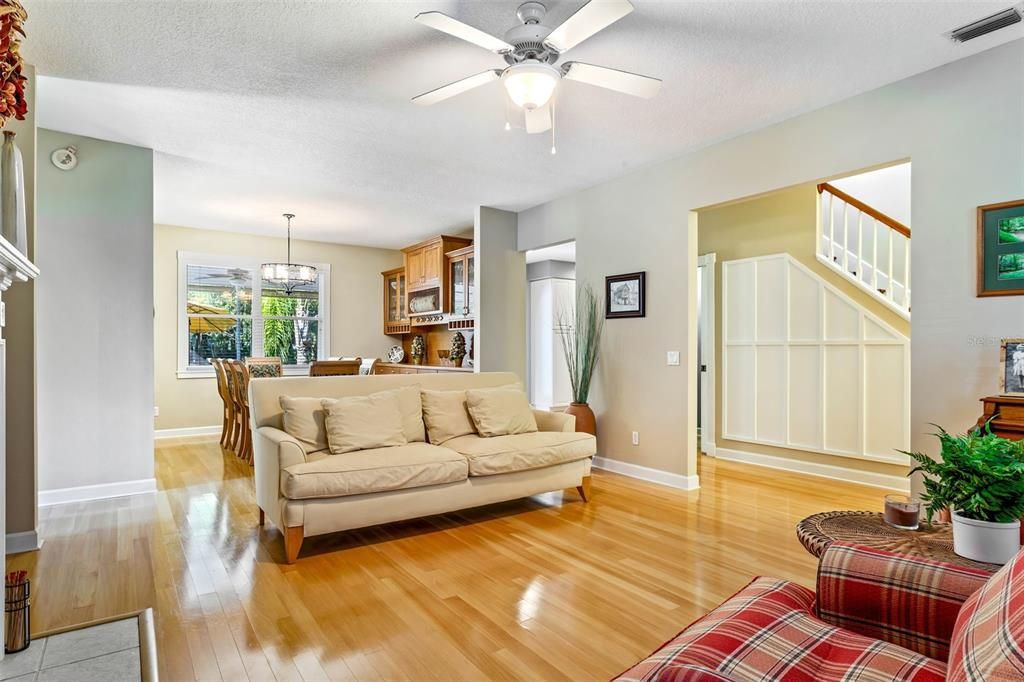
pixel 647 474
pixel 25 541
pixel 186 432
pixel 837 473
pixel 102 491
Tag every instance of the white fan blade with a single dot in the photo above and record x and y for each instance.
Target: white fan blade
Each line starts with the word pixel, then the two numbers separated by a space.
pixel 538 120
pixel 613 79
pixel 454 27
pixel 588 20
pixel 457 88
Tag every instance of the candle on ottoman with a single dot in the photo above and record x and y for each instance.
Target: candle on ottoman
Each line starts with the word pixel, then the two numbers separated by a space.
pixel 902 512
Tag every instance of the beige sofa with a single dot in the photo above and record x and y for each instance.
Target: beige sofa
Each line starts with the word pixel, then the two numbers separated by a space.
pixel 308 493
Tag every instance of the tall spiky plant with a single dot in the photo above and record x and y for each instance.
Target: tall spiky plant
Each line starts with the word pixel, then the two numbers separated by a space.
pixel 581 341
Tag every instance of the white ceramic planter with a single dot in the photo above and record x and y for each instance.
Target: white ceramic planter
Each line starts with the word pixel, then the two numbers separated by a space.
pixel 993 543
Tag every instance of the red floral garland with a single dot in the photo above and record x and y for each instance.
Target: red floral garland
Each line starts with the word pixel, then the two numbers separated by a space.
pixel 12 82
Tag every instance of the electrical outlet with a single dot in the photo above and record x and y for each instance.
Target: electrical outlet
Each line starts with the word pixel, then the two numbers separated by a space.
pixel 636 438
pixel 673 357
pixel 156 411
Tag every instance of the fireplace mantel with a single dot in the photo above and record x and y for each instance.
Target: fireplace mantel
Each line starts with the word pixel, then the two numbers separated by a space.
pixel 14 266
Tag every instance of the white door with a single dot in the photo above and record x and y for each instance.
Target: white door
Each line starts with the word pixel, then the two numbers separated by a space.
pixel 552 304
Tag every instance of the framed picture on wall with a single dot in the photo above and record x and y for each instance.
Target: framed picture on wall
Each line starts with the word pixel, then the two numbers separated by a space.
pixel 624 295
pixel 1011 367
pixel 1001 249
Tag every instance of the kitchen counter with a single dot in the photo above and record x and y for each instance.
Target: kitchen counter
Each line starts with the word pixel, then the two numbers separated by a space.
pixel 408 368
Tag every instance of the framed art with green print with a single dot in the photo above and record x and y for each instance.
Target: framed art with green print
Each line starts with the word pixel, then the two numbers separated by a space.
pixel 1001 249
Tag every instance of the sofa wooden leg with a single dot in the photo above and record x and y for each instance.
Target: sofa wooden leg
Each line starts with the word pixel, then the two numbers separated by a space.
pixel 292 543
pixel 584 489
pixel 263 517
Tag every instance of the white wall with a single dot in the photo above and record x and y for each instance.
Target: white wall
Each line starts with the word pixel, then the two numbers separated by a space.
pixel 960 125
pixel 94 322
pixel 887 189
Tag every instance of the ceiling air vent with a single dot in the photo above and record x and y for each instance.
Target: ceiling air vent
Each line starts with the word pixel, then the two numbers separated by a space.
pixel 1008 17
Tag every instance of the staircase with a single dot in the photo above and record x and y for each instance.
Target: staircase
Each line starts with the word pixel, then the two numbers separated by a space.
pixel 865 246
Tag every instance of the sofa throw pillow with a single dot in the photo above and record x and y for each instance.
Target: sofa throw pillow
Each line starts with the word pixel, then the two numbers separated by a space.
pixel 445 415
pixel 363 422
pixel 411 407
pixel 500 411
pixel 304 421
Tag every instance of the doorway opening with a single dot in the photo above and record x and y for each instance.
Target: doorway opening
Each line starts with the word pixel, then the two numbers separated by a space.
pixel 551 310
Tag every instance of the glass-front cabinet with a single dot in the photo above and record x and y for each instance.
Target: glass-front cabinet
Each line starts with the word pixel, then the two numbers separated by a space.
pixel 461 291
pixel 396 315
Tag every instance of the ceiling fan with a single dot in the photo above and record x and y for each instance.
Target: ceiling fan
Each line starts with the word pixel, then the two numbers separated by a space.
pixel 531 51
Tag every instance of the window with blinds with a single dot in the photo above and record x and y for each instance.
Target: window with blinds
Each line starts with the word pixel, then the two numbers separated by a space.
pixel 228 312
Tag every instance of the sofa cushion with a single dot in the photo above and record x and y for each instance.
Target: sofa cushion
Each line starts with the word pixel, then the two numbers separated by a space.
pixel 988 639
pixel 522 451
pixel 303 420
pixel 446 415
pixel 500 411
pixel 363 422
pixel 372 471
pixel 766 632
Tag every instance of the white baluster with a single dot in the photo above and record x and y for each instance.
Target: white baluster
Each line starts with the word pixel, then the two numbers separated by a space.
pixel 831 228
pixel 860 245
pixel 874 255
pixel 906 273
pixel 846 238
pixel 892 280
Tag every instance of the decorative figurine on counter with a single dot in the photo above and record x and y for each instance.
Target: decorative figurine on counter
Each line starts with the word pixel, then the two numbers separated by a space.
pixel 458 351
pixel 418 349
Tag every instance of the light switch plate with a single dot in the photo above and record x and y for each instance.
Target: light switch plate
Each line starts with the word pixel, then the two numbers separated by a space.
pixel 673 357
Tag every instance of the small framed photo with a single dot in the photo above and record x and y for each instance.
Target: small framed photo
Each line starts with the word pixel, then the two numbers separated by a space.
pixel 1001 249
pixel 624 295
pixel 1011 366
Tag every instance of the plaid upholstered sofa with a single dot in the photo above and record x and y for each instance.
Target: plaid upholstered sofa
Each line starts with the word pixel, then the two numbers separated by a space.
pixel 877 616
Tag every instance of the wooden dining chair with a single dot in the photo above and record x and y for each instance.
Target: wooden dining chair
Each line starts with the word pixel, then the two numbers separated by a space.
pixel 240 393
pixel 260 368
pixel 224 391
pixel 333 368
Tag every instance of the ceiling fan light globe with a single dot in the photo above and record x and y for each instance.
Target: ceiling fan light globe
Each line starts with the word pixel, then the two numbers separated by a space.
pixel 531 84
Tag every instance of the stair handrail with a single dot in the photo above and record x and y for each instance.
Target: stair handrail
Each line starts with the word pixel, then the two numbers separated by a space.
pixel 888 221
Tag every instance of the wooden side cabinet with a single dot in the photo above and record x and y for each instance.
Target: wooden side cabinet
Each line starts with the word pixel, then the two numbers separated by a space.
pixel 1005 415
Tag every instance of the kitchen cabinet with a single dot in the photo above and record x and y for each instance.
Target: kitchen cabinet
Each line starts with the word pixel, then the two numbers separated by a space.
pixel 461 288
pixel 396 312
pixel 426 271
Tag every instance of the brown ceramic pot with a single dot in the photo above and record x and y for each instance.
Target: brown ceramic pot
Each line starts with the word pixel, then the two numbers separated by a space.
pixel 585 422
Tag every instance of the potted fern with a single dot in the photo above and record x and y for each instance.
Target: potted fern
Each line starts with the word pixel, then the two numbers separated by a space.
pixel 980 477
pixel 581 340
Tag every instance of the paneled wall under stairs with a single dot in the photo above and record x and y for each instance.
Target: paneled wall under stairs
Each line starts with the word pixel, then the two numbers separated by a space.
pixel 805 367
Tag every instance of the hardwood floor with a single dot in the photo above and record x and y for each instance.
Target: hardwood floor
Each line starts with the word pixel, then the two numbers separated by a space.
pixel 542 589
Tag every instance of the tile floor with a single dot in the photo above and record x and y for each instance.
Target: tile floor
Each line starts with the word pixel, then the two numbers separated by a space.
pixel 107 653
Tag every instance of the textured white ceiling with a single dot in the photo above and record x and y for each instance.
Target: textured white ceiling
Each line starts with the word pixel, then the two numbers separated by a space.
pixel 256 108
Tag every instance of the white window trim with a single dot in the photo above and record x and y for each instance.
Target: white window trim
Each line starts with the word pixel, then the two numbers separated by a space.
pixel 186 258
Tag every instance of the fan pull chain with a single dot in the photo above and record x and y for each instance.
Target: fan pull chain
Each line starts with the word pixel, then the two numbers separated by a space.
pixel 553 150
pixel 508 125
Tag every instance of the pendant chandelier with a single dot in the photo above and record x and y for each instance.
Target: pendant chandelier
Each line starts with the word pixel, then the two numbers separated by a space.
pixel 288 276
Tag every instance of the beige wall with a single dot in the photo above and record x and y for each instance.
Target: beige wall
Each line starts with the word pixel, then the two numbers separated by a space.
pixel 641 221
pixel 356 308
pixel 780 222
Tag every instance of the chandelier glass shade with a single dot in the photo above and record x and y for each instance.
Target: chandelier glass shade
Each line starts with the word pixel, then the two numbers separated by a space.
pixel 288 276
pixel 530 84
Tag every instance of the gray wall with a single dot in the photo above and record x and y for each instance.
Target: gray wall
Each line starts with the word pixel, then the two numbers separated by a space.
pixel 960 124
pixel 94 326
pixel 19 339
pixel 501 303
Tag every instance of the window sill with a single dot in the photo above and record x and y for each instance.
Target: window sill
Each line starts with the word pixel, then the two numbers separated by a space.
pixel 292 371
